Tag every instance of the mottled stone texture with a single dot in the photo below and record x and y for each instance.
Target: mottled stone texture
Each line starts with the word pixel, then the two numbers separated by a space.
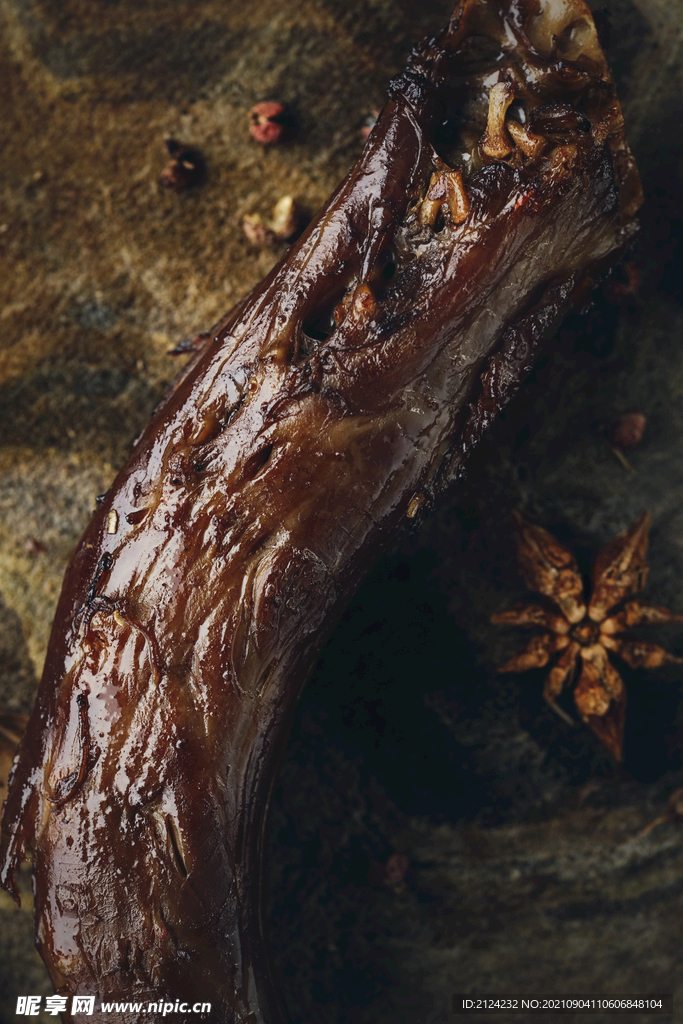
pixel 527 869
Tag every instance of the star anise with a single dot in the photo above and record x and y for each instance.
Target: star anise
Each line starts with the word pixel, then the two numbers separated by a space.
pixel 582 633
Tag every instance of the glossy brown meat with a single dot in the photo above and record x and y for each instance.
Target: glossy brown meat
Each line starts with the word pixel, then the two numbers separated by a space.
pixel 496 185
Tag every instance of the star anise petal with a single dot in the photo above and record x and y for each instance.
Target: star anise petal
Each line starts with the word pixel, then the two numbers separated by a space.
pixel 556 678
pixel 609 728
pixel 549 568
pixel 596 655
pixel 639 653
pixel 600 699
pixel 620 569
pixel 636 614
pixel 590 695
pixel 536 654
pixel 531 615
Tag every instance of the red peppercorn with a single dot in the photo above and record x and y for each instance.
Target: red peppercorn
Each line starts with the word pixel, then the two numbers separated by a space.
pixel 626 431
pixel 391 873
pixel 265 122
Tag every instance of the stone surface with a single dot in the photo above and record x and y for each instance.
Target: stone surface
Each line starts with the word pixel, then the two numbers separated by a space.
pixel 528 867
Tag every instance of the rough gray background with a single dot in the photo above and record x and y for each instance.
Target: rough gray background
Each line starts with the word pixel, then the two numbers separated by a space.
pixel 527 871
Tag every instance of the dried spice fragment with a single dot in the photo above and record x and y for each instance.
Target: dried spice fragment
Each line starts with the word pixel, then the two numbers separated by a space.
pixel 584 633
pixel 186 167
pixel 283 224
